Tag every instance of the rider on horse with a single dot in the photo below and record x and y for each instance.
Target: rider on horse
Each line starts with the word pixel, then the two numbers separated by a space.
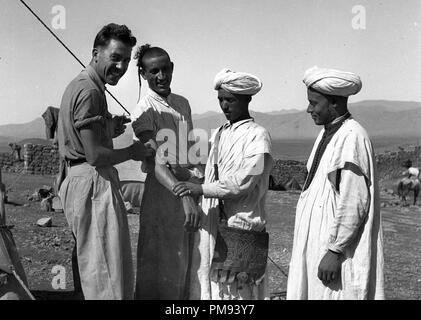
pixel 409 182
pixel 411 173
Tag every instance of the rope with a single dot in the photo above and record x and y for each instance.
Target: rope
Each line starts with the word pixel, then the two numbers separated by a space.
pixel 74 56
pixel 22 284
pixel 282 271
pixel 280 293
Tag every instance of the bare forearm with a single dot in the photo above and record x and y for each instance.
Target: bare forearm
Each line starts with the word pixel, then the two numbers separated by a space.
pixel 97 155
pixel 102 156
pixel 164 175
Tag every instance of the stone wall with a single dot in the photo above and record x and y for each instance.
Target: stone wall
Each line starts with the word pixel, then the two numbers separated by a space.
pixel 41 159
pixel 285 170
pixel 35 159
pixel 389 166
pixel 9 164
pixel 44 160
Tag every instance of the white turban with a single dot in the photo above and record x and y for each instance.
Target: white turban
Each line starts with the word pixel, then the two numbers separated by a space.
pixel 237 82
pixel 332 82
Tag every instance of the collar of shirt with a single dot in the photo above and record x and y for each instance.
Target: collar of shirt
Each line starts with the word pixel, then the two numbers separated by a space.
pixel 93 75
pixel 337 122
pixel 235 125
pixel 159 98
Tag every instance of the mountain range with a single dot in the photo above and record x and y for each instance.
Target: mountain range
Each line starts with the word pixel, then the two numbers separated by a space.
pixel 394 119
pixel 381 118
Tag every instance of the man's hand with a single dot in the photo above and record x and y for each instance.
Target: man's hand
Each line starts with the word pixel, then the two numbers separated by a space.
pixel 329 267
pixel 191 224
pixel 119 125
pixel 185 188
pixel 139 152
pixel 181 173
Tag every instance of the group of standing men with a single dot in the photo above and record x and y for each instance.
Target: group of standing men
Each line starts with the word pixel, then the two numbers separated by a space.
pixel 337 251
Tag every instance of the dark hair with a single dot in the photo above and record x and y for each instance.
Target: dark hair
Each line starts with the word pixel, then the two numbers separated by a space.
pixel 116 32
pixel 147 50
pixel 330 97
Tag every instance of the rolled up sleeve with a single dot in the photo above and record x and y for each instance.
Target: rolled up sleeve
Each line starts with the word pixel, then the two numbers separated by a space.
pixel 88 109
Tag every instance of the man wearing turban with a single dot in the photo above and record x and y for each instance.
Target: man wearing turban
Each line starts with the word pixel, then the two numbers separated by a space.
pixel 338 244
pixel 237 82
pixel 237 186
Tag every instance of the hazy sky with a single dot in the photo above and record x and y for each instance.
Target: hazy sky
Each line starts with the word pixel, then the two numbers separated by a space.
pixel 276 40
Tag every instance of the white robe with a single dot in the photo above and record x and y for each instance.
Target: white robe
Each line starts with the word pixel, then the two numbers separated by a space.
pixel 163 251
pixel 244 163
pixel 346 222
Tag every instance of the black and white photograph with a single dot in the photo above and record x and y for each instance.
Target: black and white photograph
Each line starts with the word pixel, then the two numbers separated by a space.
pixel 189 150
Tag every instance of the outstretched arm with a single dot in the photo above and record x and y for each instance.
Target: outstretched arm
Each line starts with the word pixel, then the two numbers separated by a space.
pixel 233 186
pixel 165 177
pixel 98 155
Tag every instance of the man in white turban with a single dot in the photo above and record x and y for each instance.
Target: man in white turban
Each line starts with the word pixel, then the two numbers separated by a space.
pixel 237 82
pixel 332 82
pixel 338 244
pixel 236 183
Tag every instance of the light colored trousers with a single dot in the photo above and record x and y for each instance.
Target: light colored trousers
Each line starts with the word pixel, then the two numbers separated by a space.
pixel 95 211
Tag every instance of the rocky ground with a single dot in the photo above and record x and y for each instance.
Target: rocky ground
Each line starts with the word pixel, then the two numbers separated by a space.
pixel 402 244
pixel 43 248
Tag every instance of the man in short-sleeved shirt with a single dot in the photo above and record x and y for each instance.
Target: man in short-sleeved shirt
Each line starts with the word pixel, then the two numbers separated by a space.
pixel 83 103
pixel 90 194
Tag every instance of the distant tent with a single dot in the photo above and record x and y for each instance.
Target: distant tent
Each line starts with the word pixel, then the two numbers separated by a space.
pixel 13 283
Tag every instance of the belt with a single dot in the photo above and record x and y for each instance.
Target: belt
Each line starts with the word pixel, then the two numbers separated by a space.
pixel 72 163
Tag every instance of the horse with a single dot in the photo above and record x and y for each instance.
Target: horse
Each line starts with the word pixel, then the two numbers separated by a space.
pixel 405 186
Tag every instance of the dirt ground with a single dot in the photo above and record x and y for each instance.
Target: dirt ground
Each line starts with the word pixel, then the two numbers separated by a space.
pixel 41 249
